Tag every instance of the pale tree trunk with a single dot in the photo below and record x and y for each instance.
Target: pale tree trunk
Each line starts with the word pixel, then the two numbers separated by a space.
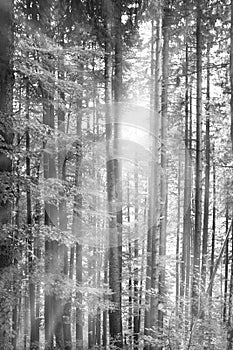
pixel 163 185
pixel 212 247
pixel 148 298
pixel 231 72
pixel 136 311
pixel 213 226
pixel 155 178
pixel 108 100
pixel 185 259
pixel 77 231
pixel 226 268
pixel 178 236
pixel 130 271
pixel 189 208
pixel 17 304
pixel 229 321
pixel 198 191
pixel 207 179
pixel 230 328
pixel 37 253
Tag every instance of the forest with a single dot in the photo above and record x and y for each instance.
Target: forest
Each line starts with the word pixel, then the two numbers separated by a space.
pixel 116 204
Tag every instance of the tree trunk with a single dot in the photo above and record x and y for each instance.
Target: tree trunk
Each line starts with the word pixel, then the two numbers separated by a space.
pixel 50 220
pixel 6 101
pixel 207 179
pixel 226 268
pixel 229 321
pixel 77 231
pixel 198 191
pixel 231 71
pixel 32 290
pixel 163 185
pixel 178 237
pixel 114 192
pixel 130 284
pixel 108 100
pixel 213 226
pixel 136 313
pixel 155 177
pixel 185 259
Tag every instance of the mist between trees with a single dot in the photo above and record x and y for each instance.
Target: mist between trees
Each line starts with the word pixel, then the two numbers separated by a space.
pixel 116 135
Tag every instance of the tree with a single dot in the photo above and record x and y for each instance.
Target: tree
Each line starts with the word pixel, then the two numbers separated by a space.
pixel 198 191
pixel 6 111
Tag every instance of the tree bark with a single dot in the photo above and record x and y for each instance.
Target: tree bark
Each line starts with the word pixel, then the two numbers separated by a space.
pixel 231 72
pixel 163 184
pixel 226 268
pixel 77 231
pixel 6 103
pixel 198 190
pixel 51 217
pixel 155 178
pixel 114 193
pixel 207 179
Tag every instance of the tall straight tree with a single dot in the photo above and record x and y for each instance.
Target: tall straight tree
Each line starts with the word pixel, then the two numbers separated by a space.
pixel 114 189
pixel 185 260
pixel 108 100
pixel 230 328
pixel 207 177
pixel 6 109
pixel 155 200
pixel 150 263
pixel 231 72
pixel 167 20
pixel 198 190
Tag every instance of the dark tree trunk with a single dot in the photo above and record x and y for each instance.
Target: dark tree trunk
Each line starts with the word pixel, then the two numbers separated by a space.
pixel 51 216
pixel 198 191
pixel 6 100
pixel 114 193
pixel 31 263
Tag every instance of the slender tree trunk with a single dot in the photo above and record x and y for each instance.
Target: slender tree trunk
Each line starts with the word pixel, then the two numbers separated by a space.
pixel 130 283
pixel 229 321
pixel 226 268
pixel 108 100
pixel 136 313
pixel 207 179
pixel 37 252
pixel 185 260
pixel 32 296
pixel 198 191
pixel 155 178
pixel 230 328
pixel 231 71
pixel 178 237
pixel 50 220
pixel 105 314
pixel 163 185
pixel 213 226
pixel 77 230
pixel 6 102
